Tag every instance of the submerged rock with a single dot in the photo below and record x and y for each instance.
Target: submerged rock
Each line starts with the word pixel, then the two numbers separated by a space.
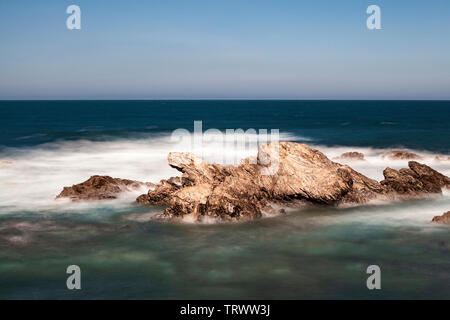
pixel 418 179
pixel 5 163
pixel 444 219
pixel 441 158
pixel 351 156
pixel 400 155
pixel 100 188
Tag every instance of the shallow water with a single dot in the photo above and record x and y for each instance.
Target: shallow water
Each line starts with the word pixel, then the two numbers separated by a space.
pixel 307 253
pixel 314 253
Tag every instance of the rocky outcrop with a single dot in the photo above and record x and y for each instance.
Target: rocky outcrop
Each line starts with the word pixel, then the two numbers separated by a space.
pixel 444 219
pixel 160 194
pixel 244 192
pixel 419 179
pixel 100 188
pixel 358 156
pixel 400 155
pixel 283 174
pixel 303 175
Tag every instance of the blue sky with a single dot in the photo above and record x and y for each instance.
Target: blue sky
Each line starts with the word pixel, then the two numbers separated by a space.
pixel 198 49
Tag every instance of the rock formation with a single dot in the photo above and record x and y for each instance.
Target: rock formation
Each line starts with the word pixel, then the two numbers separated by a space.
pixel 100 188
pixel 302 175
pixel 400 155
pixel 351 156
pixel 243 192
pixel 441 158
pixel 444 219
pixel 160 194
pixel 418 179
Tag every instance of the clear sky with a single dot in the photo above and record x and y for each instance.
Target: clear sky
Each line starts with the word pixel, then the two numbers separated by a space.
pixel 299 49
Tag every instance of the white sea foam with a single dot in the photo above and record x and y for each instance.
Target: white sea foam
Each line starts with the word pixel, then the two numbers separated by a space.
pixel 30 178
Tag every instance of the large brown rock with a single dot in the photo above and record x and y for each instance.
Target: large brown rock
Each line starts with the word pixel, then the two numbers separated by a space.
pixel 400 155
pixel 417 180
pixel 308 174
pixel 444 219
pixel 100 188
pixel 302 175
pixel 247 191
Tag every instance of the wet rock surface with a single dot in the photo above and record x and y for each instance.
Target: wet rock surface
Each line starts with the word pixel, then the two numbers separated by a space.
pixel 401 155
pixel 444 219
pixel 416 180
pixel 100 188
pixel 283 175
pixel 160 194
pixel 441 158
pixel 357 156
pixel 302 175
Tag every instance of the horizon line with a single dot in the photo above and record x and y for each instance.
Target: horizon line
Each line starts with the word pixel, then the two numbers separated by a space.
pixel 223 99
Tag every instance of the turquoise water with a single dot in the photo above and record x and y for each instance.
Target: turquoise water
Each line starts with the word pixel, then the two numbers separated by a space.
pixel 306 254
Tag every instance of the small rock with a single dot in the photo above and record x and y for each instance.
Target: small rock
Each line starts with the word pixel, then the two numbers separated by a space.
pixel 441 158
pixel 101 188
pixel 444 219
pixel 401 155
pixel 351 156
pixel 5 163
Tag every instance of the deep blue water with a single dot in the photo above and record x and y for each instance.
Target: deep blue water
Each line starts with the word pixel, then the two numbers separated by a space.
pixel 422 125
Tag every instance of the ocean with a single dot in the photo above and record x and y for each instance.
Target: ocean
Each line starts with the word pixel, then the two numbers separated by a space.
pixel 310 253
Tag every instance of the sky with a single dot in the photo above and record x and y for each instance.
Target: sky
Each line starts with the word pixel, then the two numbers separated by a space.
pixel 234 49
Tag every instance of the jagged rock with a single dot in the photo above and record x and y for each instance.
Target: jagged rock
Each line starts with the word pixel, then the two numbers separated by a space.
pixel 244 192
pixel 364 189
pixel 351 156
pixel 429 175
pixel 418 179
pixel 401 155
pixel 302 175
pixel 100 188
pixel 308 174
pixel 160 194
pixel 444 219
